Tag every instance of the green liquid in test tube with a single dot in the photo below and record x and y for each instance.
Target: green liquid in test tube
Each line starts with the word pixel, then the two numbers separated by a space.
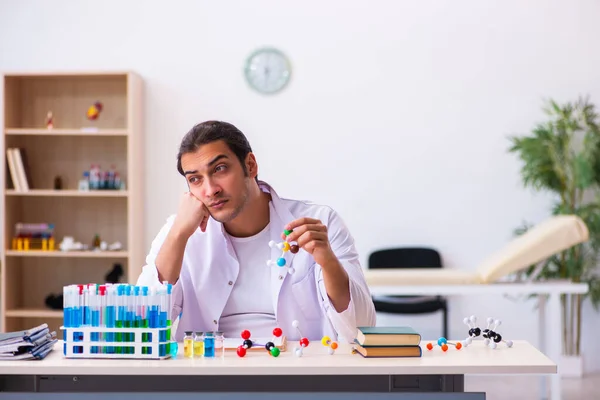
pixel 120 316
pixel 145 323
pixel 169 297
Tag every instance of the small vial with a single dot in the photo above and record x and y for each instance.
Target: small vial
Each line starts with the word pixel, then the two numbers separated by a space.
pixel 188 345
pixel 219 344
pixel 209 344
pixel 198 344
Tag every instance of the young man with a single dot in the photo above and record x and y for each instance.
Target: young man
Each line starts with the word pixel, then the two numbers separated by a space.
pixel 215 251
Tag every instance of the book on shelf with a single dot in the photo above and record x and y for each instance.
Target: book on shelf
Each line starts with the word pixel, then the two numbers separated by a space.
pixel 387 336
pixel 18 169
pixel 30 344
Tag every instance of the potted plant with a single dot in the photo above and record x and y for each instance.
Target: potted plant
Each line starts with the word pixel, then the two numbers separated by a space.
pixel 562 156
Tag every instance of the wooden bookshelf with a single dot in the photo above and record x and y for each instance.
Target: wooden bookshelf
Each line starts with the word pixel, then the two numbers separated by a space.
pixel 70 147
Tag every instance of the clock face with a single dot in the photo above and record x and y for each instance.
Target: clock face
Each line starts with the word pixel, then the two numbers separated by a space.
pixel 267 70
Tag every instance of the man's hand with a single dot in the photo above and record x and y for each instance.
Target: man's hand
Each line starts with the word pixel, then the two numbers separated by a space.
pixel 192 213
pixel 311 235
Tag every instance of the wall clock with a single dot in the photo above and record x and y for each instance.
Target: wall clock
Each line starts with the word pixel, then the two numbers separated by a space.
pixel 267 70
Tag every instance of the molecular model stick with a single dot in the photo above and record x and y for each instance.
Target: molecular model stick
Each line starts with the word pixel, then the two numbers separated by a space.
pixel 284 247
pixel 303 340
pixel 248 343
pixel 491 337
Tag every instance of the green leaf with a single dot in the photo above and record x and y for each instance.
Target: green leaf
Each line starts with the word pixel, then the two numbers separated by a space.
pixel 583 172
pixel 594 292
pixel 538 170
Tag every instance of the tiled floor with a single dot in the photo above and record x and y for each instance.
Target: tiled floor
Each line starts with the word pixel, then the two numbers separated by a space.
pixel 525 388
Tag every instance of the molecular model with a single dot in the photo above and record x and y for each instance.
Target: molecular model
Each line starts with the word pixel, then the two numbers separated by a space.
pixel 330 344
pixel 298 351
pixel 248 343
pixel 491 337
pixel 443 343
pixel 94 111
pixel 284 247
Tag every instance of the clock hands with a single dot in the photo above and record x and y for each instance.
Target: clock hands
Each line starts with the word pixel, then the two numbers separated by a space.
pixel 268 72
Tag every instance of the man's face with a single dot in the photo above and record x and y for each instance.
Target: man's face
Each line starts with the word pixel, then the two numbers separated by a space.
pixel 216 178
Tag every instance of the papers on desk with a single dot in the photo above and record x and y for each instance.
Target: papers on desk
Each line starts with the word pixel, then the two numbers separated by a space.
pixel 31 344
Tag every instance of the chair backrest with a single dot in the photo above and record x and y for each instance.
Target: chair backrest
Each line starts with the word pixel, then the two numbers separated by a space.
pixel 405 257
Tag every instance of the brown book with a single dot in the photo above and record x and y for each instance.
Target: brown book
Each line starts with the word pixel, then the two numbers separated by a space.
pixel 388 351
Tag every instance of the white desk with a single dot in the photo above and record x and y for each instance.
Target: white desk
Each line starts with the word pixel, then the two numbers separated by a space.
pixel 436 374
pixel 381 283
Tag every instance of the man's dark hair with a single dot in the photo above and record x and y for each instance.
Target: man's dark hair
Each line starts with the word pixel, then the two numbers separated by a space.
pixel 211 131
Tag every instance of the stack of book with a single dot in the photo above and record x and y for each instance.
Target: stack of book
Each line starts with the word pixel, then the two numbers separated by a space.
pixel 31 344
pixel 388 341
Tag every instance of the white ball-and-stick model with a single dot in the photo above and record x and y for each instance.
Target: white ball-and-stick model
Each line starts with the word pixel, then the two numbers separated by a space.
pixel 298 351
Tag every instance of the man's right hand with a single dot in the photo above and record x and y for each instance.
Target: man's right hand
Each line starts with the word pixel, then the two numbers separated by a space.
pixel 192 213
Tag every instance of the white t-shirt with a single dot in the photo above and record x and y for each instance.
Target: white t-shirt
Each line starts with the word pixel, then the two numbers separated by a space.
pixel 250 305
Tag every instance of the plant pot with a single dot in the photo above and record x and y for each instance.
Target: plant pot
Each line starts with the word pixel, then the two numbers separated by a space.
pixel 571 366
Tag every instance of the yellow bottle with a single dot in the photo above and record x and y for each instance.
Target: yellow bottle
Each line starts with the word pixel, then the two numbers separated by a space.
pixel 199 344
pixel 188 345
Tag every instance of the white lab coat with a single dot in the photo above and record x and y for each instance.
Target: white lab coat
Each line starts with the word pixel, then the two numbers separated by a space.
pixel 210 267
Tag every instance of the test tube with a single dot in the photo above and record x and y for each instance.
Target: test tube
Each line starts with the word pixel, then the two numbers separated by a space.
pixel 120 314
pixel 95 317
pixel 102 313
pixel 111 303
pixel 169 311
pixel 85 307
pixel 154 305
pixel 129 318
pixel 163 313
pixel 77 307
pixel 67 307
pixel 153 308
pixel 145 322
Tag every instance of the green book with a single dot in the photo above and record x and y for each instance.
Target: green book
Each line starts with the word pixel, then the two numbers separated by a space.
pixel 387 336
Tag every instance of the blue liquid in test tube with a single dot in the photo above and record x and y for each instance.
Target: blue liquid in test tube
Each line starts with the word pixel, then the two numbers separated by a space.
pixel 153 308
pixel 95 311
pixel 67 307
pixel 111 299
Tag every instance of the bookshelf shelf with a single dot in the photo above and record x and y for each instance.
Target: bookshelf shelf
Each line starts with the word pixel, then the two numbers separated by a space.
pixel 68 193
pixel 66 132
pixel 67 254
pixel 37 159
pixel 34 313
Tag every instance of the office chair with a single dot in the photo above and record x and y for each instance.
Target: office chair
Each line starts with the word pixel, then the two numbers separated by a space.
pixel 409 257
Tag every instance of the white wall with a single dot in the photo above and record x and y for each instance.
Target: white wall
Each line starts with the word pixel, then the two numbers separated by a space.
pixel 397 115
